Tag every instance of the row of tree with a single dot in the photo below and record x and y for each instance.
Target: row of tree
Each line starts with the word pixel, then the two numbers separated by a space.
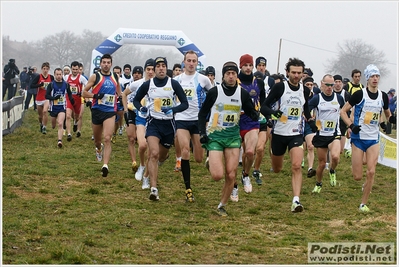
pixel 62 48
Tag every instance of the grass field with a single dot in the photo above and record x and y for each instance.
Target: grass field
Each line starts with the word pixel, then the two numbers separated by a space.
pixel 58 209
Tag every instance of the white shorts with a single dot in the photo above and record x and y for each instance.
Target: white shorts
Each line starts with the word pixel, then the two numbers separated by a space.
pixel 40 103
pixel 43 102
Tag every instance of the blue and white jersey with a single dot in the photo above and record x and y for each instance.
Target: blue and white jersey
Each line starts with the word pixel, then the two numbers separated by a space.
pixel 367 114
pixel 195 87
pixel 133 87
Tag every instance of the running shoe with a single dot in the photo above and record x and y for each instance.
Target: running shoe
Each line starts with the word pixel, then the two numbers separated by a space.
pixel 113 138
pixel 178 165
pixel 317 188
pixel 41 128
pixel 75 127
pixel 311 173
pixel 296 207
pixel 104 170
pixel 44 131
pixel 303 163
pixel 78 134
pixel 120 130
pixel 333 179
pixel 246 181
pixel 364 208
pixel 146 183
pixel 256 174
pixel 189 195
pixel 69 138
pixel 139 173
pixel 348 153
pixel 134 166
pixel 221 212
pixel 99 153
pixel 154 194
pixel 92 137
pixel 59 144
pixel 234 195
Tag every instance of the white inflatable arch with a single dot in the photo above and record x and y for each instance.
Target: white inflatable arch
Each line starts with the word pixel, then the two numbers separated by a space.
pixel 146 37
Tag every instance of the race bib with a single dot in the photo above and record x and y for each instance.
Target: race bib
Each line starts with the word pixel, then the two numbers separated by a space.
pixel 60 101
pixel 371 117
pixel 107 100
pixel 294 113
pixel 230 120
pixel 160 103
pixel 189 93
pixel 74 90
pixel 329 126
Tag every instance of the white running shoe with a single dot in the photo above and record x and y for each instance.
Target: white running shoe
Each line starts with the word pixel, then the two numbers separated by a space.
pixel 146 183
pixel 154 194
pixel 99 153
pixel 246 181
pixel 139 173
pixel 234 195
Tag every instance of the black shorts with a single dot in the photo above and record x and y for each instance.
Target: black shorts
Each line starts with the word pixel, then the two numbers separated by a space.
pixel 98 116
pixel 131 117
pixel 342 127
pixel 191 126
pixel 324 141
pixel 280 143
pixel 263 127
pixel 54 114
pixel 163 129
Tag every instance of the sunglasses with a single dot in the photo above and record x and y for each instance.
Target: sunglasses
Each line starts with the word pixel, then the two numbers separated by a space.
pixel 328 84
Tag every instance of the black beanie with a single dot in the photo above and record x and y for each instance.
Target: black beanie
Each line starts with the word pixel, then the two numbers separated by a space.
pixel 307 79
pixel 160 60
pixel 230 65
pixel 260 60
pixel 127 66
pixel 149 62
pixel 337 77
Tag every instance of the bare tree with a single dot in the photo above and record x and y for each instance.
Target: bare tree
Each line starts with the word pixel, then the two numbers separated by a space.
pixel 85 45
pixel 356 54
pixel 59 48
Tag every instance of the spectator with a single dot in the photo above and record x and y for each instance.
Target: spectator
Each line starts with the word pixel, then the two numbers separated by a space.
pixel 24 78
pixel 31 91
pixel 391 94
pixel 11 72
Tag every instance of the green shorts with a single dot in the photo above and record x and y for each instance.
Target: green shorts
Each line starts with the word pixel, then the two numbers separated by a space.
pixel 221 144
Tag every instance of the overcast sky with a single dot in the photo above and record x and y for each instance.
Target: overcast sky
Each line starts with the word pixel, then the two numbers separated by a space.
pixel 225 30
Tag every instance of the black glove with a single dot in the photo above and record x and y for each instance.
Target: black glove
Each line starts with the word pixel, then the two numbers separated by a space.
pixel 57 97
pixel 355 128
pixel 392 119
pixel 88 104
pixel 383 126
pixel 313 126
pixel 270 123
pixel 143 109
pixel 126 116
pixel 167 111
pixel 72 101
pixel 41 84
pixel 98 96
pixel 204 139
pixel 277 113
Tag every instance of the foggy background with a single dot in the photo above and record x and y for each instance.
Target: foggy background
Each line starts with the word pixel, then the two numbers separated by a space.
pixel 222 30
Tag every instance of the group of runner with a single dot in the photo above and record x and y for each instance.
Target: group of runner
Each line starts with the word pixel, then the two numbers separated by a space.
pixel 202 117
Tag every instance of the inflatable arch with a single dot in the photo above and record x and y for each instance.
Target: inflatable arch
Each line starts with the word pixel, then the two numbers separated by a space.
pixel 146 37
